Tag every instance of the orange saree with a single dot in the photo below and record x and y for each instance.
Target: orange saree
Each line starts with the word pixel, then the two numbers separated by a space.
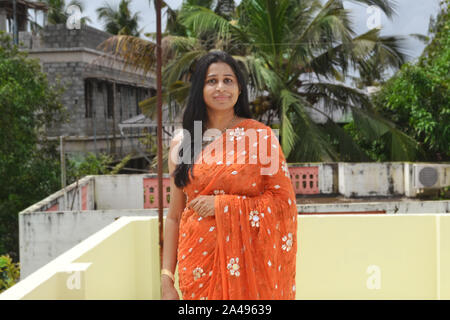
pixel 248 249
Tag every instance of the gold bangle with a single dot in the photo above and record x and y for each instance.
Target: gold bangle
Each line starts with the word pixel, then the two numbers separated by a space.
pixel 168 273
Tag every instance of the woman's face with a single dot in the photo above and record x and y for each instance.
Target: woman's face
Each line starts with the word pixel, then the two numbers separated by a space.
pixel 221 89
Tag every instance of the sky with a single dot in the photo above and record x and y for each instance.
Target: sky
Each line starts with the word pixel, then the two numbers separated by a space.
pixel 412 16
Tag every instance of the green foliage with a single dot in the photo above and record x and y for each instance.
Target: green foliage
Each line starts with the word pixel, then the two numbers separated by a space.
pixel 57 12
pixel 79 166
pixel 417 100
pixel 30 167
pixel 28 172
pixel 9 272
pixel 119 20
pixel 278 43
pixel 295 54
pixel 373 148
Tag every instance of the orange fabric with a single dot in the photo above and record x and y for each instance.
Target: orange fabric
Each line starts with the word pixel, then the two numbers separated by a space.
pixel 248 249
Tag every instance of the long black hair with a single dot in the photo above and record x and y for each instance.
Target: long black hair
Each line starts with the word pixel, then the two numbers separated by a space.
pixel 196 111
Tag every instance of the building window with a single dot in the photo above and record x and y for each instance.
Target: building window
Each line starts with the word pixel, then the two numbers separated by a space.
pixel 88 88
pixel 110 100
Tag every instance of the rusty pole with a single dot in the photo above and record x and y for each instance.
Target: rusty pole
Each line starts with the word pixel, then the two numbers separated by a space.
pixel 159 104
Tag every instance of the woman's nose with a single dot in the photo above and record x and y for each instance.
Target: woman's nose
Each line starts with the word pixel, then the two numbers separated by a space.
pixel 219 85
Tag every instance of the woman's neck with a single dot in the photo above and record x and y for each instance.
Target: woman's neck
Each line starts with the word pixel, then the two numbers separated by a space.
pixel 220 120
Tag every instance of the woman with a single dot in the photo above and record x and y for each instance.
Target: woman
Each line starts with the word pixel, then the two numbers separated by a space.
pixel 232 221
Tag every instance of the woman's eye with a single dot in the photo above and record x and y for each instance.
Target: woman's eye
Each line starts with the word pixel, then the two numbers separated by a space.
pixel 228 81
pixel 211 81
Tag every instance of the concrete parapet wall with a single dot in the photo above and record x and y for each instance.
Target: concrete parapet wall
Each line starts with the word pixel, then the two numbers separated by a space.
pixel 74 198
pixel 339 257
pixel 114 192
pixel 46 229
pixel 43 236
pixel 59 36
pixel 371 179
pixel 387 207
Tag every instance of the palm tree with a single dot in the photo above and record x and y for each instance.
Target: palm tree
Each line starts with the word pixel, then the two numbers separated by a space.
pixel 119 20
pixel 297 53
pixel 57 11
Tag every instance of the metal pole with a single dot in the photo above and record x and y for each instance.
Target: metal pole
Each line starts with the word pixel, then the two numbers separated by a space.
pixel 159 104
pixel 15 31
pixel 63 170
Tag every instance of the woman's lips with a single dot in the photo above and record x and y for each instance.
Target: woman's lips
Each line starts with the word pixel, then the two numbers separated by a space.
pixel 221 97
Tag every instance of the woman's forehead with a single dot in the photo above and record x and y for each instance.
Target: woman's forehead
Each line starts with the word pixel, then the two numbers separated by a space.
pixel 219 69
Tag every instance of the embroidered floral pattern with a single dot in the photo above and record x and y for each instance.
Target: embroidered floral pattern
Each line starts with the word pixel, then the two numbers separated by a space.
pixel 236 134
pixel 198 273
pixel 254 218
pixel 233 267
pixel 288 241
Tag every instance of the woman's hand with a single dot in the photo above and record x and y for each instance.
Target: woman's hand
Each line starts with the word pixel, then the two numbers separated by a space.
pixel 168 289
pixel 203 205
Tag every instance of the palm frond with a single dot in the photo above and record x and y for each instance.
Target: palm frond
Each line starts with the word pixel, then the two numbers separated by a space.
pixel 336 95
pixel 346 145
pixel 387 6
pixel 288 134
pixel 178 91
pixel 175 46
pixel 135 53
pixel 421 37
pixel 402 147
pixel 312 143
pixel 203 20
pixel 260 76
pixel 266 24
pixel 181 66
pixel 390 50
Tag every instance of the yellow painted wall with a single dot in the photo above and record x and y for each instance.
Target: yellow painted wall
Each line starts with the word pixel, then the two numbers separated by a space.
pixel 339 257
pixel 444 257
pixel 367 257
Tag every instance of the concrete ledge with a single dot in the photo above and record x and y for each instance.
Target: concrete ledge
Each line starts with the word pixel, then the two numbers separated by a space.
pixel 339 257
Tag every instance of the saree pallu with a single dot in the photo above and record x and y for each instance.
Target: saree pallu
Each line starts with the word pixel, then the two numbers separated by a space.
pixel 248 249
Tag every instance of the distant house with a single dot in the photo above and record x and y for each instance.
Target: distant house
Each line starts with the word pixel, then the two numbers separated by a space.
pixel 99 93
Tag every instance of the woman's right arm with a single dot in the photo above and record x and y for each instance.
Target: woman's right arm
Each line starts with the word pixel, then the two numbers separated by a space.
pixel 176 207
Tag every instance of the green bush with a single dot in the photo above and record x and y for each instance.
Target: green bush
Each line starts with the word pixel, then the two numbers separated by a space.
pixel 9 273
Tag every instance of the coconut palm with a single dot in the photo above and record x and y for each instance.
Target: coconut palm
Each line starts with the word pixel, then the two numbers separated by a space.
pixel 57 11
pixel 118 20
pixel 297 53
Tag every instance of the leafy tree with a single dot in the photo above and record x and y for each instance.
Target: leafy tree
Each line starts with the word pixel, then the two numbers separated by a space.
pixel 9 272
pixel 296 53
pixel 119 20
pixel 29 164
pixel 417 100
